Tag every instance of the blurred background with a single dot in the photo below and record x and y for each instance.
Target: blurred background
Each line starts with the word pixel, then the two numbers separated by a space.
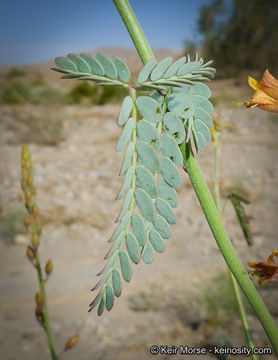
pixel 184 296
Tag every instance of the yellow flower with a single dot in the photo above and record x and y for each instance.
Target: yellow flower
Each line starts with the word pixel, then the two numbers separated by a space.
pixel 266 271
pixel 266 92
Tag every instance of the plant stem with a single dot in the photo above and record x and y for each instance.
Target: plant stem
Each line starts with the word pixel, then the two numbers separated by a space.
pixel 236 289
pixel 204 195
pixel 226 247
pixel 45 310
pixel 135 31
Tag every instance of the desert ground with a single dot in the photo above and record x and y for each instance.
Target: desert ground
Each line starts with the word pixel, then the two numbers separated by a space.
pixel 184 296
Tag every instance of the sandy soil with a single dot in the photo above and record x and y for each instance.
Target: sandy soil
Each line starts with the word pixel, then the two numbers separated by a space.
pixel 165 303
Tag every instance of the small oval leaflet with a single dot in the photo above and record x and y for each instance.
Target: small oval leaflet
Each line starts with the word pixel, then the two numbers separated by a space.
pixel 181 104
pixel 96 67
pixel 170 149
pixel 205 104
pixel 122 69
pixel 157 241
pixel 109 264
pixel 65 64
pixel 188 68
pixel 148 133
pixel 133 248
pixel 173 126
pixel 103 280
pixel 204 116
pixel 97 299
pixel 148 253
pixel 160 68
pixel 117 282
pixel 156 95
pixel 125 110
pixel 146 181
pixel 174 67
pixel 101 307
pixel 125 206
pixel 165 210
pixel 149 108
pixel 80 63
pixel 148 157
pixel 115 246
pixel 138 228
pixel 126 134
pixel 200 141
pixel 109 297
pixel 144 202
pixel 145 72
pixel 203 129
pixel 170 173
pixel 161 225
pixel 168 193
pixel 108 65
pixel 201 89
pixel 127 159
pixel 120 227
pixel 127 183
pixel 125 265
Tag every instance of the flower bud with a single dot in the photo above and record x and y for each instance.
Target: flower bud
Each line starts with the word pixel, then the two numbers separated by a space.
pixel 39 314
pixel 49 267
pixel 30 253
pixel 35 240
pixel 71 342
pixel 39 299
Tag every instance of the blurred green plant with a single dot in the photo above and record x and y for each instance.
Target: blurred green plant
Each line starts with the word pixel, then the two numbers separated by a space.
pixel 15 93
pixel 11 225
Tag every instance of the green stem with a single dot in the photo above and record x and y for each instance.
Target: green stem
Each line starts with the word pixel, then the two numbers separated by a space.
pixel 45 310
pixel 236 289
pixel 225 245
pixel 135 31
pixel 204 195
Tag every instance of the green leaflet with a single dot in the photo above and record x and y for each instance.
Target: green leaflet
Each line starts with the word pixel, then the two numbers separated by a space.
pixel 108 66
pixel 202 128
pixel 201 89
pixel 168 193
pixel 161 225
pixel 147 132
pixel 200 141
pixel 156 241
pixel 101 307
pixel 148 157
pixel 138 228
pixel 148 254
pixel 115 246
pixel 170 173
pixel 97 299
pixel 122 69
pixel 120 227
pixel 133 248
pixel 181 104
pixel 145 72
pixel 144 202
pixel 127 159
pixel 80 63
pixel 109 297
pixel 125 110
pixel 127 183
pixel 125 265
pixel 189 68
pixel 117 282
pixel 103 280
pixel 164 209
pixel 204 116
pixel 126 135
pixel 146 181
pixel 170 149
pixel 174 67
pixel 65 64
pixel 125 206
pixel 173 126
pixel 156 95
pixel 95 65
pixel 205 104
pixel 160 68
pixel 109 264
pixel 149 108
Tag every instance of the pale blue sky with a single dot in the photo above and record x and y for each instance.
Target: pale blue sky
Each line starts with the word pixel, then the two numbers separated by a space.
pixel 33 31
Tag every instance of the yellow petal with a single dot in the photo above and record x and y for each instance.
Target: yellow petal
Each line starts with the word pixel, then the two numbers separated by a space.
pixel 261 98
pixel 269 80
pixel 253 83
